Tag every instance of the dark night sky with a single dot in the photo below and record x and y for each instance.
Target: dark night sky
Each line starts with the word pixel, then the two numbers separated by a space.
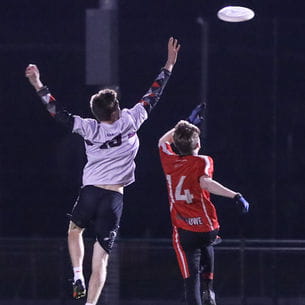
pixel 255 120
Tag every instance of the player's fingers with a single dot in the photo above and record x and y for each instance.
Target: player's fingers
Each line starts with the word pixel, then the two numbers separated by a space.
pixel 175 42
pixel 31 71
pixel 170 42
pixel 32 67
pixel 28 70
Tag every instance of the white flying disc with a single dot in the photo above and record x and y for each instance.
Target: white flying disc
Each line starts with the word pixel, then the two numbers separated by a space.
pixel 235 14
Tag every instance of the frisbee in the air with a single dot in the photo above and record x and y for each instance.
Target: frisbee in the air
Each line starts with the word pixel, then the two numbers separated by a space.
pixel 235 14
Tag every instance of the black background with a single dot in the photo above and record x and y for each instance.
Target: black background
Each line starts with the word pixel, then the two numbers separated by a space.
pixel 254 125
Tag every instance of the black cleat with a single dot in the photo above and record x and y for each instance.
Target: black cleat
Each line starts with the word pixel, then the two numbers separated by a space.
pixel 208 297
pixel 79 290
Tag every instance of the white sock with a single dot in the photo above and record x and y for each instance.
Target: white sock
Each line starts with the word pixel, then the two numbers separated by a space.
pixel 89 304
pixel 78 274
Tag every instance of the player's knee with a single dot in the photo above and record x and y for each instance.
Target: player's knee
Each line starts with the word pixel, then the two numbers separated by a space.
pixel 74 229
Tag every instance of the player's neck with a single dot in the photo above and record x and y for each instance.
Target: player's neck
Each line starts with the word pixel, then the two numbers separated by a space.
pixel 196 152
pixel 108 122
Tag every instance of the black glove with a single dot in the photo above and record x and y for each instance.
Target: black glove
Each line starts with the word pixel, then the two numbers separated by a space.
pixel 242 203
pixel 196 116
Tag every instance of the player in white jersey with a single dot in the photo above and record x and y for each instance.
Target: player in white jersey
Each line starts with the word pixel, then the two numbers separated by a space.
pixel 111 145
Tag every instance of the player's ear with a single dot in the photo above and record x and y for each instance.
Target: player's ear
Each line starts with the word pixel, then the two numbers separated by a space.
pixel 115 115
pixel 198 145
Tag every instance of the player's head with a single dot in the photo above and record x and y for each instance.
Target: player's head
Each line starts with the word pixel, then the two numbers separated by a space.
pixel 186 138
pixel 105 105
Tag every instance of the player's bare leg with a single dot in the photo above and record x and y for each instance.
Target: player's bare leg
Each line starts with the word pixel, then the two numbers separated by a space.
pixel 76 250
pixel 98 275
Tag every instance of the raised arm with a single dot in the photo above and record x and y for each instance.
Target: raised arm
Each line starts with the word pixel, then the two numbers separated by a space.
pixel 53 107
pixel 152 96
pixel 167 137
pixel 33 75
pixel 196 117
pixel 172 52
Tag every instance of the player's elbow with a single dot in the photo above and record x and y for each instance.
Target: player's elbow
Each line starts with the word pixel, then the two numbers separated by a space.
pixel 205 182
pixel 160 142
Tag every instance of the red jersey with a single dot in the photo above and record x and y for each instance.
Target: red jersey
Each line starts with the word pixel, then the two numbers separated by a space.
pixel 190 206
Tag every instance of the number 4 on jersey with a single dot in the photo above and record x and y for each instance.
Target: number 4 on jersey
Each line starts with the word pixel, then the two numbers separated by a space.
pixel 180 193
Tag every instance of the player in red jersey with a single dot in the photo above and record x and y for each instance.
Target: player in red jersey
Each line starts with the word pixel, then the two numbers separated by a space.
pixel 190 181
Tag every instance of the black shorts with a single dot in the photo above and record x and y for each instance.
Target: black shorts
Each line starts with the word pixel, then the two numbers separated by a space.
pixel 103 208
pixel 190 247
pixel 196 240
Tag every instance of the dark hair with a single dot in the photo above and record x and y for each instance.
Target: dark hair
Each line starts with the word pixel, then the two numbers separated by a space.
pixel 186 136
pixel 103 104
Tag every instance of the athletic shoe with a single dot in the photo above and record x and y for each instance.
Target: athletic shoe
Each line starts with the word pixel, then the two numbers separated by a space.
pixel 208 297
pixel 79 290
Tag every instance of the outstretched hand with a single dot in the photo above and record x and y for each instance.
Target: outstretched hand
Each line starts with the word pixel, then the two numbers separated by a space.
pixel 33 75
pixel 173 49
pixel 196 116
pixel 242 203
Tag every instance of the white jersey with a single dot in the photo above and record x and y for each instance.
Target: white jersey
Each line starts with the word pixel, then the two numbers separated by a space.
pixel 111 148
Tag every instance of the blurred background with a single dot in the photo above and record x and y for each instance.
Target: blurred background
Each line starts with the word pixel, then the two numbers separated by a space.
pixel 250 74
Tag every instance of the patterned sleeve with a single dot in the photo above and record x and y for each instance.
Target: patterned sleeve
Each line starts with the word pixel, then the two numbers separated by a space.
pixel 55 109
pixel 152 96
pixel 138 114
